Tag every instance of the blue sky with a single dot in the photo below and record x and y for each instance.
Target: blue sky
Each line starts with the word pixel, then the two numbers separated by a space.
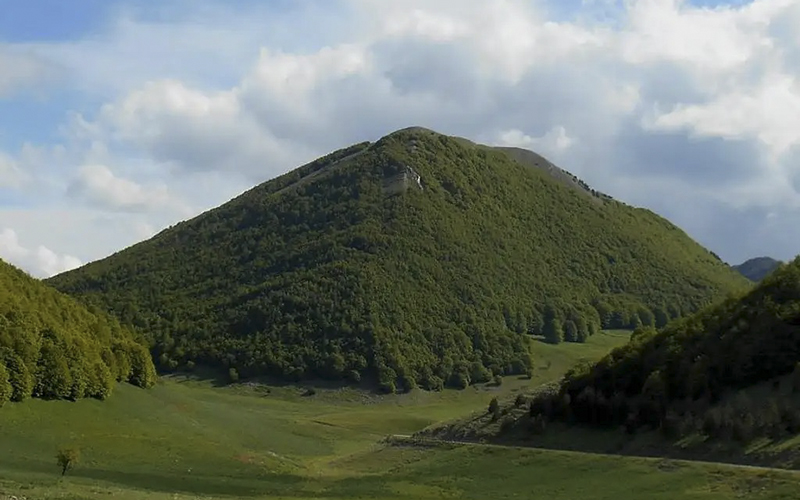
pixel 51 20
pixel 120 118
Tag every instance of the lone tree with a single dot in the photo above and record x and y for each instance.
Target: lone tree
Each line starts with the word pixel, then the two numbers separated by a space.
pixel 494 405
pixel 67 458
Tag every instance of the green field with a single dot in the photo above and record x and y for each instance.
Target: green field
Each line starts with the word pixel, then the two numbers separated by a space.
pixel 188 439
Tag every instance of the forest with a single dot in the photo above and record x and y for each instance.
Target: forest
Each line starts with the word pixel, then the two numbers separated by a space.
pixel 52 347
pixel 694 375
pixel 322 273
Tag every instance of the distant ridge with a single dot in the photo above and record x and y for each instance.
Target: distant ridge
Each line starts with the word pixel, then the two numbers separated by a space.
pixel 758 268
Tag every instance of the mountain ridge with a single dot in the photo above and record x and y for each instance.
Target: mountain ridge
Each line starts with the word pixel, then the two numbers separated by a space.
pixel 758 268
pixel 322 272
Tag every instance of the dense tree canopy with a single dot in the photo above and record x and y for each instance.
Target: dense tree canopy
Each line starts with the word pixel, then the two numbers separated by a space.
pixel 348 266
pixel 53 347
pixel 693 363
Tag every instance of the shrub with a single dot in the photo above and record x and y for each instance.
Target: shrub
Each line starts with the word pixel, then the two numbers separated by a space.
pixel 67 458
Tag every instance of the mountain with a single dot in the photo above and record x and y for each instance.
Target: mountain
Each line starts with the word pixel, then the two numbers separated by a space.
pixel 757 269
pixel 417 259
pixel 53 347
pixel 731 370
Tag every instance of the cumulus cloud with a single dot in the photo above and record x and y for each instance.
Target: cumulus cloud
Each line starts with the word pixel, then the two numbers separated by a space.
pixel 687 110
pixel 40 261
pixel 768 112
pixel 98 184
pixel 554 142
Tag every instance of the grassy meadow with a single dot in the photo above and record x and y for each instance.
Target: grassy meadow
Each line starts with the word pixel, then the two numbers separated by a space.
pixel 187 438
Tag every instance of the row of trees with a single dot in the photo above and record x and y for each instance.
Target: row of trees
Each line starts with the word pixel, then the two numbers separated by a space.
pixel 52 347
pixel 60 372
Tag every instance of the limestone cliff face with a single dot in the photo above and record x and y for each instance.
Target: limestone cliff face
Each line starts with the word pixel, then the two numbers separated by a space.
pixel 402 181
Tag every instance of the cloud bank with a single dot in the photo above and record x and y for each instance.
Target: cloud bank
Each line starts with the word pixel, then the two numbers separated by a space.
pixel 691 111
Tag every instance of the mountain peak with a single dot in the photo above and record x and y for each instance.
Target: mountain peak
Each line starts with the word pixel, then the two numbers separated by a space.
pixel 758 268
pixel 419 259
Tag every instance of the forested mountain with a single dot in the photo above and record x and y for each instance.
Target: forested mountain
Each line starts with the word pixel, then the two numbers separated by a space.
pixel 694 376
pixel 758 268
pixel 53 347
pixel 419 259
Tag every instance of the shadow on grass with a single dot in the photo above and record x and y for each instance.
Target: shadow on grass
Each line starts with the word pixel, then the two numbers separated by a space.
pixel 36 473
pixel 218 378
pixel 266 484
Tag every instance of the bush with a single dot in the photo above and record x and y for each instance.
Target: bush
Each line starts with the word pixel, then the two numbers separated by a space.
pixel 478 373
pixel 6 391
pixel 459 380
pixel 354 376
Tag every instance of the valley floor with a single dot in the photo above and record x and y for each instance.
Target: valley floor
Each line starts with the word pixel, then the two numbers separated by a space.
pixel 188 439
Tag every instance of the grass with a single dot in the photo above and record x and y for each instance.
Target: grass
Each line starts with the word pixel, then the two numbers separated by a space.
pixel 188 439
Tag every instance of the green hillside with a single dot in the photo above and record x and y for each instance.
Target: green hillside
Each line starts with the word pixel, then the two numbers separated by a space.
pixel 730 372
pixel 352 265
pixel 51 347
pixel 758 268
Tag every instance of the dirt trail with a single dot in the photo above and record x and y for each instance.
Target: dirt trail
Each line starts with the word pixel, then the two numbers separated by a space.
pixel 409 440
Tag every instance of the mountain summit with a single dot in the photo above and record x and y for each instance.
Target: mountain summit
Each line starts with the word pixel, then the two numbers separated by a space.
pixel 758 268
pixel 418 259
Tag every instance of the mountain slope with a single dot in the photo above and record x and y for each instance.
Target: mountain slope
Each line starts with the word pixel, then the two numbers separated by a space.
pixel 701 374
pixel 420 258
pixel 52 347
pixel 758 268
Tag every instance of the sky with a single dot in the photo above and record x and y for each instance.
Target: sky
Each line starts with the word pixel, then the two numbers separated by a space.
pixel 121 118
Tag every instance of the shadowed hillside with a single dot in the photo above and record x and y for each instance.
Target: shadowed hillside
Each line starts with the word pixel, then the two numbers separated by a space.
pixel 759 268
pixel 724 382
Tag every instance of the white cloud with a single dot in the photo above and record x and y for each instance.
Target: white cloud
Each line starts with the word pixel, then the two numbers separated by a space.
pixel 661 105
pixel 555 141
pixel 40 262
pixel 720 39
pixel 768 112
pixel 98 184
pixel 189 129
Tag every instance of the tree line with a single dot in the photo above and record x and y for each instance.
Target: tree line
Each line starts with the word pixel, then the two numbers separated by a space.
pixel 51 347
